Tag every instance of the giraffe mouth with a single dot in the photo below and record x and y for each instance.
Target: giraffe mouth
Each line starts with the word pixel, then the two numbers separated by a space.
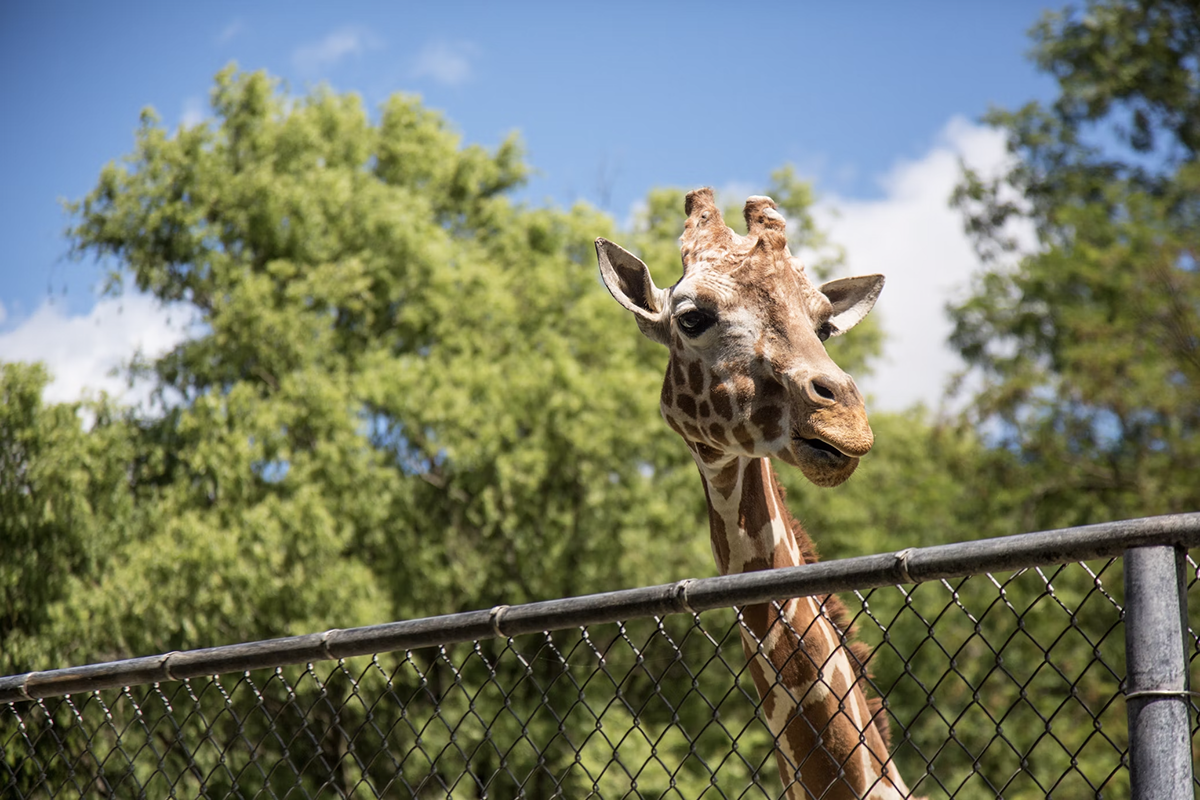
pixel 821 446
pixel 821 462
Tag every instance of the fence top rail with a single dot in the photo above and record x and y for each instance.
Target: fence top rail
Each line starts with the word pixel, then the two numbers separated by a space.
pixel 911 565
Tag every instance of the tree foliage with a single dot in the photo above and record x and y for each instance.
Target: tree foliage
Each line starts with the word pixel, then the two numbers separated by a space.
pixel 402 398
pixel 64 503
pixel 1089 347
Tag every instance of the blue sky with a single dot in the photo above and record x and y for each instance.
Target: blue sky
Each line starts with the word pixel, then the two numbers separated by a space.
pixel 874 101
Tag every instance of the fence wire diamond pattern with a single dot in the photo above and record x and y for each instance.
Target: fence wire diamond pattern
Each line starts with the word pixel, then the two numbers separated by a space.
pixel 996 685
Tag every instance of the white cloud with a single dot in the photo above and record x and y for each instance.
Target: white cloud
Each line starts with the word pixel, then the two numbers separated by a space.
pixel 194 112
pixel 231 31
pixel 82 351
pixel 347 41
pixel 447 63
pixel 916 239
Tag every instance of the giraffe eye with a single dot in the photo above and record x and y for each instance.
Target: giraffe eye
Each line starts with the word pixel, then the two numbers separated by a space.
pixel 825 331
pixel 695 322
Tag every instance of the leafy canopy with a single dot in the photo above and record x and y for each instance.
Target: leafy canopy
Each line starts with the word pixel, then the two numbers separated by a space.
pixel 1089 347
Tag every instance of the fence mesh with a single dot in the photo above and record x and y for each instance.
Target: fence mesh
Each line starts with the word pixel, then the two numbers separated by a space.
pixel 996 685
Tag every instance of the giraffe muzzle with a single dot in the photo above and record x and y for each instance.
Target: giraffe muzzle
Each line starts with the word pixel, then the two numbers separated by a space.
pixel 821 462
pixel 828 444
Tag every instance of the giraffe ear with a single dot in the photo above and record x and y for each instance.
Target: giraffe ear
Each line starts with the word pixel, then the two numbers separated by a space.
pixel 628 280
pixel 852 299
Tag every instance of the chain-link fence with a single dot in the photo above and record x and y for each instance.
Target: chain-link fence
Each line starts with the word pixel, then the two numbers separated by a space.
pixel 1002 665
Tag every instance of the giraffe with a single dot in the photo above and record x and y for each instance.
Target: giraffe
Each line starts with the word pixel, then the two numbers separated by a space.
pixel 748 379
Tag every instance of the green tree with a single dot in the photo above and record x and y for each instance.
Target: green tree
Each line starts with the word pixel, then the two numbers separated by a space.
pixel 64 503
pixel 1084 346
pixel 391 354
pixel 1089 347
pixel 403 399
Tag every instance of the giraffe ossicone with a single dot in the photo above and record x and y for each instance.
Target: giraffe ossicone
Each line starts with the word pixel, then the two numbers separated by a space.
pixel 748 379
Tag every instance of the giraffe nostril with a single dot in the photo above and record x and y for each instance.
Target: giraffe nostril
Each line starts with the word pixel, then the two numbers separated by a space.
pixel 823 390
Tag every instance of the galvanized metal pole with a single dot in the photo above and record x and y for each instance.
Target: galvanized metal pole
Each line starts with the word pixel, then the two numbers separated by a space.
pixel 1156 684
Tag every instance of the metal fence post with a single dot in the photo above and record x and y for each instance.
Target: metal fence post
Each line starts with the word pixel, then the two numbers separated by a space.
pixel 1156 684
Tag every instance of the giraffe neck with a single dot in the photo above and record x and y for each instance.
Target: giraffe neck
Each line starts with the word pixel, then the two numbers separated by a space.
pixel 830 740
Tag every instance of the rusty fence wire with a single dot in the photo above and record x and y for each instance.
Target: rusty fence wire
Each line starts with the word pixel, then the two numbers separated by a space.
pixel 1002 665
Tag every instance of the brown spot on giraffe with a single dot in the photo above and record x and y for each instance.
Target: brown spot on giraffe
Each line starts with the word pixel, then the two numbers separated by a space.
pixel 726 480
pixel 769 421
pixel 721 403
pixel 686 404
pixel 677 374
pixel 696 377
pixel 776 392
pixel 718 538
pixel 716 432
pixel 772 391
pixel 710 455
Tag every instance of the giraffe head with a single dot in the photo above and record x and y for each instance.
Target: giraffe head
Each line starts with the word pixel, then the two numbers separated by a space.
pixel 748 372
